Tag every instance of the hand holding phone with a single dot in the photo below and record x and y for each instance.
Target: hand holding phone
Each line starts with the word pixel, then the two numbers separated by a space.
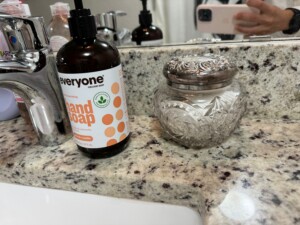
pixel 219 18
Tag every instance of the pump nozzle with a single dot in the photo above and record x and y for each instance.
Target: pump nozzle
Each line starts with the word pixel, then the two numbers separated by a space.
pixel 81 23
pixel 78 4
pixel 145 16
pixel 144 2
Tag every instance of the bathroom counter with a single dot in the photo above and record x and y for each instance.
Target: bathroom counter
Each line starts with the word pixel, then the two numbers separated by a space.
pixel 261 160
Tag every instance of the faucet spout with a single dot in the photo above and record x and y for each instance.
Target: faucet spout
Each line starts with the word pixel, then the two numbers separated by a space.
pixel 23 61
pixel 17 65
pixel 43 99
pixel 29 70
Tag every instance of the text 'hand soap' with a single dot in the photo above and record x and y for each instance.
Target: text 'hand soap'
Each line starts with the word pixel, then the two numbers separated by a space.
pixel 91 78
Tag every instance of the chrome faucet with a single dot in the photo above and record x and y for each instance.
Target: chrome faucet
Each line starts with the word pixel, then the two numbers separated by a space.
pixel 30 71
pixel 108 30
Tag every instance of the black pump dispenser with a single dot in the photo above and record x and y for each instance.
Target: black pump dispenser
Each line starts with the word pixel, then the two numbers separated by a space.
pixel 145 17
pixel 146 34
pixel 81 23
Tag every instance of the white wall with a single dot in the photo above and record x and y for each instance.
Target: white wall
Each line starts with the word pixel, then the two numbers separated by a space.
pixel 176 19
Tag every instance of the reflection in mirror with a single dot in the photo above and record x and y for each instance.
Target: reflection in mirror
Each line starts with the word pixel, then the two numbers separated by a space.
pixel 176 18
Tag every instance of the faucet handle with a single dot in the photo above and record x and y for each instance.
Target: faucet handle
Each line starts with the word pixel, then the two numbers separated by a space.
pixel 24 33
pixel 109 19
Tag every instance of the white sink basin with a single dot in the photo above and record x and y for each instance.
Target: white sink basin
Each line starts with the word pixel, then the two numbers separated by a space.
pixel 22 205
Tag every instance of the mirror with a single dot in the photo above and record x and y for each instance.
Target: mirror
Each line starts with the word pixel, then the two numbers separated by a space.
pixel 174 17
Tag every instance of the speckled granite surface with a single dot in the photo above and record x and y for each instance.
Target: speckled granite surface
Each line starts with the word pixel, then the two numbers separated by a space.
pixel 268 70
pixel 261 159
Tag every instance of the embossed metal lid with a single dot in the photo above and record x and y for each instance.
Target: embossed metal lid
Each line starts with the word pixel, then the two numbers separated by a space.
pixel 194 72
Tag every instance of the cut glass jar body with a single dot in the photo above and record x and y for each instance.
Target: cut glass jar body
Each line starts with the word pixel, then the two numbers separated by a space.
pixel 199 117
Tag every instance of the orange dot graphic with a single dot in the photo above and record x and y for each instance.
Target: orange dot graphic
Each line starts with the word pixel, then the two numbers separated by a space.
pixel 115 88
pixel 107 119
pixel 123 136
pixel 117 101
pixel 121 127
pixel 110 131
pixel 119 114
pixel 111 142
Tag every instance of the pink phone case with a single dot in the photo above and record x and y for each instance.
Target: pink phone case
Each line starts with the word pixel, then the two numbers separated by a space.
pixel 222 21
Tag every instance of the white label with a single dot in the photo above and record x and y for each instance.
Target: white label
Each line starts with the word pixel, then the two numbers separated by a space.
pixel 18 98
pixel 152 43
pixel 96 106
pixel 56 42
pixel 4 50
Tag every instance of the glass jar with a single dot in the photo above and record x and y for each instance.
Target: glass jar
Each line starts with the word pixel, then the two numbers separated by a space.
pixel 200 104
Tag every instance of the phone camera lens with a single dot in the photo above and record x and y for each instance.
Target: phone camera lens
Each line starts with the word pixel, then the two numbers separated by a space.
pixel 205 15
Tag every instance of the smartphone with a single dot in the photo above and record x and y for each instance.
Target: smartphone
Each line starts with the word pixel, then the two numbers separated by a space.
pixel 218 19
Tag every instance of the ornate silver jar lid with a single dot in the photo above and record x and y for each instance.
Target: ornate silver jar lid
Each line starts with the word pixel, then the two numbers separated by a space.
pixel 194 72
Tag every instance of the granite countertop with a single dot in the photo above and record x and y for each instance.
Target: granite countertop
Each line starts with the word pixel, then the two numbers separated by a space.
pixel 260 160
pixel 253 178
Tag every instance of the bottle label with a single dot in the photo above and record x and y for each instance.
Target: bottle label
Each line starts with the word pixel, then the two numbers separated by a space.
pixel 18 98
pixel 56 42
pixel 97 108
pixel 152 43
pixel 5 54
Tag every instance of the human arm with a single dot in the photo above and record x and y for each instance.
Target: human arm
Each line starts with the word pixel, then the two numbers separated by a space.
pixel 270 19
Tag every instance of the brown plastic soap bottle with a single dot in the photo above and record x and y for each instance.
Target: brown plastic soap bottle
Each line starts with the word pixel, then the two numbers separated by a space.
pixel 146 34
pixel 91 78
